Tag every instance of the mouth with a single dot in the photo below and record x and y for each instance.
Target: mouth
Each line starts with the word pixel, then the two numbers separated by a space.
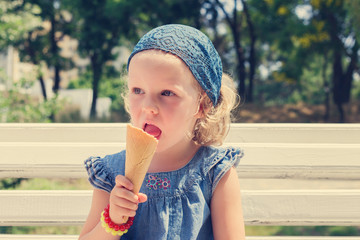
pixel 152 130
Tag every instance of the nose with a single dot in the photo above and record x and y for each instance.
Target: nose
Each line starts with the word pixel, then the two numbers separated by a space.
pixel 150 107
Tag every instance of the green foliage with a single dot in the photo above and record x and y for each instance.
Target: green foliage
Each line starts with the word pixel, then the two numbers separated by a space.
pixel 353 8
pixel 83 81
pixel 16 105
pixel 51 184
pixel 319 231
pixel 114 88
pixel 112 85
pixel 261 230
pixel 356 88
pixel 10 183
pixel 301 231
pixel 14 23
pixel 75 230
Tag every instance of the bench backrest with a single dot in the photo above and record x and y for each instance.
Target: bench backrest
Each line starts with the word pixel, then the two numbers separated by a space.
pixel 274 154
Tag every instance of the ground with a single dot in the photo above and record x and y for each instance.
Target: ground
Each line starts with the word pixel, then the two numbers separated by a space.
pixel 294 113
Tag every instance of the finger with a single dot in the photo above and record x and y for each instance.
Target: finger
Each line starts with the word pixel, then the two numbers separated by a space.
pixel 126 204
pixel 117 213
pixel 121 192
pixel 122 181
pixel 142 197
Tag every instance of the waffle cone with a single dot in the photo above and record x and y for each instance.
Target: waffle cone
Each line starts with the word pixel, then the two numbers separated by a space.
pixel 140 149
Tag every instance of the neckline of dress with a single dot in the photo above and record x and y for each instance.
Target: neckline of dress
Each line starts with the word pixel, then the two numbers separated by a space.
pixel 199 151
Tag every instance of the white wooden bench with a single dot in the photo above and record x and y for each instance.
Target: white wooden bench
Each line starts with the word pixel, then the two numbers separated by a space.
pixel 291 173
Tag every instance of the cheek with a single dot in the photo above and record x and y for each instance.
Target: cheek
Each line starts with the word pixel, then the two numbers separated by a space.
pixel 134 107
pixel 179 114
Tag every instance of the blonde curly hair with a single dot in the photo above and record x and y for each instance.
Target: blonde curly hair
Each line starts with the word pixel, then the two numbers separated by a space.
pixel 214 126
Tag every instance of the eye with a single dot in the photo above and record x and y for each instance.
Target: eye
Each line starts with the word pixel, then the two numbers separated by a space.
pixel 137 91
pixel 167 93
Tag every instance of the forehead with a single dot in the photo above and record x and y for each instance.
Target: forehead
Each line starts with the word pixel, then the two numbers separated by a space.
pixel 159 56
pixel 160 62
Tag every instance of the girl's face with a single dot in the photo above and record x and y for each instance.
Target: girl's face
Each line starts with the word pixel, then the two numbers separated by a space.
pixel 163 98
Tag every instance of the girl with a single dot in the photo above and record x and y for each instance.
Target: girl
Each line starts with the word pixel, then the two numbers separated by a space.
pixel 191 190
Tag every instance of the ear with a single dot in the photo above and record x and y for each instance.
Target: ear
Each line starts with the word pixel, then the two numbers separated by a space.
pixel 203 107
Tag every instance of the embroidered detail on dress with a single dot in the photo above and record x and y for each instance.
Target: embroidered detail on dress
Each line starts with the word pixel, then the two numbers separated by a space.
pixel 154 182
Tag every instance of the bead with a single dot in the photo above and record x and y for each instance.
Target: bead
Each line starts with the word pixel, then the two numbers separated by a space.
pixel 113 228
pixel 111 225
pixel 127 225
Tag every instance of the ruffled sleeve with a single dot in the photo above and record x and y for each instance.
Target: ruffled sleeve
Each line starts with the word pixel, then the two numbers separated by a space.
pixel 220 163
pixel 100 176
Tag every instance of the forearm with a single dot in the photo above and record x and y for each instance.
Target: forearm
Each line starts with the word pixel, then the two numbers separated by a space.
pixel 98 232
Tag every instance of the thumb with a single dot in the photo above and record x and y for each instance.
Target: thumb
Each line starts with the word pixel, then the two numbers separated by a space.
pixel 142 197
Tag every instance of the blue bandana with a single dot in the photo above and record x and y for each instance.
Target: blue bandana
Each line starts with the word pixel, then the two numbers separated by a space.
pixel 193 47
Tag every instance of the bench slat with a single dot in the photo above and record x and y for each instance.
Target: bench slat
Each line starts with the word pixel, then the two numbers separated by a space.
pixel 261 207
pixel 298 161
pixel 277 154
pixel 343 173
pixel 240 132
pixel 294 133
pixel 75 237
pixel 300 238
pixel 302 207
pixel 299 151
pixel 44 207
pixel 37 237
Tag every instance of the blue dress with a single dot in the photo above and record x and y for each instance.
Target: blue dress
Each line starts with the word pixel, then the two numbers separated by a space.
pixel 178 205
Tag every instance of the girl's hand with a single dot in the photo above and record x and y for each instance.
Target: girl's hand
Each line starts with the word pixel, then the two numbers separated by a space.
pixel 123 202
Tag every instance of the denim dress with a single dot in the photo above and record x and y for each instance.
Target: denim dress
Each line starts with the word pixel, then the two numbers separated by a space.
pixel 178 205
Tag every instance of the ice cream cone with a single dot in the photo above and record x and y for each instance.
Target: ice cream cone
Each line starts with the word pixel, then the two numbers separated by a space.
pixel 140 149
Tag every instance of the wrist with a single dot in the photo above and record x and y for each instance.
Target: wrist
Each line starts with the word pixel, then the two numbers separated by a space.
pixel 113 228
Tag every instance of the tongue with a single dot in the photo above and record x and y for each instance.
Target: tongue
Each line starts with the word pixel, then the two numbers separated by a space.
pixel 152 130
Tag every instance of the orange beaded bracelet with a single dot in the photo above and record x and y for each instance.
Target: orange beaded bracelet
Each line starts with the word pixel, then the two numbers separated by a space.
pixel 113 228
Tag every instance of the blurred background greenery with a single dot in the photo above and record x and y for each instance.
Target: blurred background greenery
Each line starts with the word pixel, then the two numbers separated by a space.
pixel 65 61
pixel 293 61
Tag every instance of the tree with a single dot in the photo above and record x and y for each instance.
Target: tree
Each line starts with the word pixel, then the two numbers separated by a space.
pixel 342 44
pixel 41 44
pixel 102 25
pixel 328 29
pixel 235 22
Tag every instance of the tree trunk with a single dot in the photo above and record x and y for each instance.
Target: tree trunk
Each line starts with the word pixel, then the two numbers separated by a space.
pixel 56 78
pixel 343 81
pixel 236 27
pixel 43 87
pixel 338 84
pixel 252 56
pixel 326 90
pixel 341 112
pixel 241 73
pixel 30 51
pixel 54 53
pixel 97 71
pixel 235 30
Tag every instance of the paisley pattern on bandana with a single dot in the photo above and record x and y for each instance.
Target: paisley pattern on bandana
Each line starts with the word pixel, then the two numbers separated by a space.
pixel 193 47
